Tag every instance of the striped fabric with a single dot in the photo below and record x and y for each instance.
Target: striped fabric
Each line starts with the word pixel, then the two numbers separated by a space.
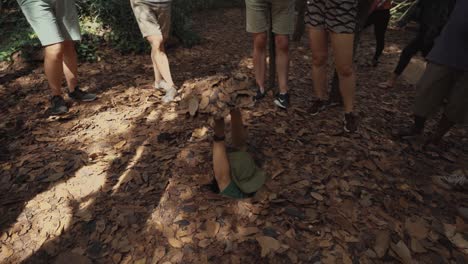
pixel 338 16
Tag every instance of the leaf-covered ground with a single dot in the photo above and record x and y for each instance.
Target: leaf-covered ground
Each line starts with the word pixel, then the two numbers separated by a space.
pixel 122 179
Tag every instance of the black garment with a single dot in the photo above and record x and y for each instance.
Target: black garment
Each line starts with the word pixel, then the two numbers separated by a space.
pixel 380 20
pixel 419 43
pixel 433 14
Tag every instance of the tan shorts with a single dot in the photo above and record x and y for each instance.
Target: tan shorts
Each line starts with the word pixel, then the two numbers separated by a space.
pixel 441 83
pixel 282 13
pixel 153 19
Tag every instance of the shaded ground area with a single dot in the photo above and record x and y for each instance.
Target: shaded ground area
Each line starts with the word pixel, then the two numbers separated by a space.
pixel 121 180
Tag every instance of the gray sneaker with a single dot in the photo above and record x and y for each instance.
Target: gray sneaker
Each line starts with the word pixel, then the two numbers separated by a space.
pixel 58 106
pixel 82 96
pixel 171 93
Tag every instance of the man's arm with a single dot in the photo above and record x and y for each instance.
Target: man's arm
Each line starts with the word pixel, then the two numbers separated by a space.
pixel 221 167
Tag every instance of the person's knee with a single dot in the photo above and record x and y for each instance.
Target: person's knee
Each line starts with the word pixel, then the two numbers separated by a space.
pixel 54 51
pixel 282 43
pixel 345 70
pixel 156 42
pixel 319 59
pixel 260 41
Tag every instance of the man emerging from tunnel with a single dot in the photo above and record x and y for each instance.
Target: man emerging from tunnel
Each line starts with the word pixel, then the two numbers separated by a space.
pixel 154 20
pixel 236 174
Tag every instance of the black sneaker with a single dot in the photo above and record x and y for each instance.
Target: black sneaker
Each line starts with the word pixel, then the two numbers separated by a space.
pixel 260 95
pixel 317 107
pixel 82 96
pixel 350 123
pixel 58 105
pixel 282 100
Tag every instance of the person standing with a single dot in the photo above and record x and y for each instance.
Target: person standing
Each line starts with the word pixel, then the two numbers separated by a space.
pixel 282 12
pixel 433 14
pixel 57 26
pixel 335 19
pixel 154 20
pixel 379 17
pixel 445 79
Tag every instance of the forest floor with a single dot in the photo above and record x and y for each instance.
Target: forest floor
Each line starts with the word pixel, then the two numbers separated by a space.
pixel 122 179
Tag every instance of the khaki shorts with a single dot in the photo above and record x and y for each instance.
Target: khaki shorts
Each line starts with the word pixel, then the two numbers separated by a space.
pixel 441 83
pixel 282 13
pixel 53 20
pixel 154 19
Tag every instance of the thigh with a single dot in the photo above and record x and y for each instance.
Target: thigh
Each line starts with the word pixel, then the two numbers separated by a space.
pixel 67 18
pixel 318 42
pixel 256 15
pixel 41 17
pixel 315 15
pixel 283 16
pixel 341 16
pixel 343 47
pixel 164 19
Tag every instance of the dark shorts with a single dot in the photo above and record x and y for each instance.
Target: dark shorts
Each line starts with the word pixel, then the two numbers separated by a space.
pixel 232 191
pixel 338 16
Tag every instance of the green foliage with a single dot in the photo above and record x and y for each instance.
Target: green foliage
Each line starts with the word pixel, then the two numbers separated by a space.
pixel 103 22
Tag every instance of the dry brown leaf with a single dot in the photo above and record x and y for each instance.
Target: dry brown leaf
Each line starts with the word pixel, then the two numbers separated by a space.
pixel 402 251
pixel 204 243
pixel 175 242
pixel 193 106
pixel 200 132
pixel 120 145
pixel 416 246
pixel 247 231
pixel 158 254
pixel 316 196
pixel 212 228
pixel 416 228
pixel 382 242
pixel 268 245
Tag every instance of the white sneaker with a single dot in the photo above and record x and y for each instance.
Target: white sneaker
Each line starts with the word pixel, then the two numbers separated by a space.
pixel 163 85
pixel 170 95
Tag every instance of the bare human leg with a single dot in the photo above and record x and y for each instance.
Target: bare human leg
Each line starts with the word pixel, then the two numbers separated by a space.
pixel 342 45
pixel 282 61
pixel 53 67
pixel 259 59
pixel 70 64
pixel 319 45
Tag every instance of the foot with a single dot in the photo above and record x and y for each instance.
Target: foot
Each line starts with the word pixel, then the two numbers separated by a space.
pixel 170 95
pixel 162 85
pixel 82 96
pixel 260 94
pixel 317 107
pixel 282 100
pixel 350 123
pixel 58 105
